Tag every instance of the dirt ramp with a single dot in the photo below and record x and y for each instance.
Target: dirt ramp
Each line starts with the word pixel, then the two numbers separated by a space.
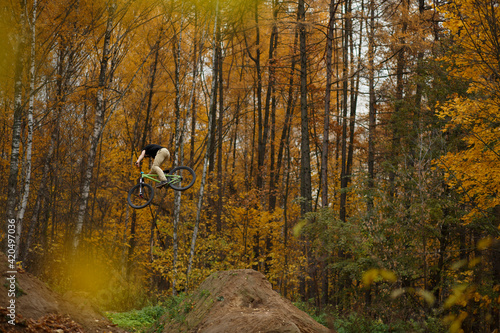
pixel 239 301
pixel 39 309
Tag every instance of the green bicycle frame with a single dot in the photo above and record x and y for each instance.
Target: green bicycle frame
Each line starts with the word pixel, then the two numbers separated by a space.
pixel 150 176
pixel 154 177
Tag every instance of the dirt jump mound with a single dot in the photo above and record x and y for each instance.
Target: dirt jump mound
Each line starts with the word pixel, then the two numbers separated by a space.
pixel 39 309
pixel 238 301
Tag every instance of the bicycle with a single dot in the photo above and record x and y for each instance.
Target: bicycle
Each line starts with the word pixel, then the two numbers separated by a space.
pixel 179 178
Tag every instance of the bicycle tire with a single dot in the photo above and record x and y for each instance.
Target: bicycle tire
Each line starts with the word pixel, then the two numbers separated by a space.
pixel 138 200
pixel 187 175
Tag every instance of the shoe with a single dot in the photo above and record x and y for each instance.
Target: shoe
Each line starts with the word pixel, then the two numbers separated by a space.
pixel 162 183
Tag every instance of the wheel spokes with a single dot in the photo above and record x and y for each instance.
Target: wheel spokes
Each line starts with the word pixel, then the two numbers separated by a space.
pixel 140 195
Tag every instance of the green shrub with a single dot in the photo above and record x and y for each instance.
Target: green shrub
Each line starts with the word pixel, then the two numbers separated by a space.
pixel 355 323
pixel 137 320
pixel 175 309
pixel 312 311
pixel 360 323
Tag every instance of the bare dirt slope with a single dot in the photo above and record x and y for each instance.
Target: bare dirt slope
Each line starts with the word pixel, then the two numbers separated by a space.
pixel 39 309
pixel 238 301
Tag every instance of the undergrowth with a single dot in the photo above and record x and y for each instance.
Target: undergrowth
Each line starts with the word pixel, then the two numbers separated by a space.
pixel 361 323
pixel 319 316
pixel 137 320
pixel 357 323
pixel 177 307
pixel 143 320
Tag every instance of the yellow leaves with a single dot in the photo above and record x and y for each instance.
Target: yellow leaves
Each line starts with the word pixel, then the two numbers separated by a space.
pixel 462 295
pixel 474 262
pixel 428 297
pixel 474 170
pixel 388 275
pixel 484 300
pixel 459 296
pixel 397 292
pixel 470 35
pixel 458 264
pixel 298 228
pixel 455 322
pixel 376 274
pixel 370 276
pixel 484 243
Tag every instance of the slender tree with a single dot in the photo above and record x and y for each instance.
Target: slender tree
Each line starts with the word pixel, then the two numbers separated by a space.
pixel 328 89
pixel 305 159
pixel 346 40
pixel 371 107
pixel 12 192
pixel 100 112
pixel 271 102
pixel 29 143
pixel 211 121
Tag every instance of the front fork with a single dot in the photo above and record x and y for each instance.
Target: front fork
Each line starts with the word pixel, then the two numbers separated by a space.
pixel 141 181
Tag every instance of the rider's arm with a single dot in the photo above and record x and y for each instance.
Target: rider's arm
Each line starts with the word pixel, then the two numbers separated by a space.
pixel 140 158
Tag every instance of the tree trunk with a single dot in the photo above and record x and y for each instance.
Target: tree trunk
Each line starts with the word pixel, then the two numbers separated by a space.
pixel 207 155
pixel 149 107
pixel 371 110
pixel 326 120
pixel 178 153
pixel 326 132
pixel 215 89
pixel 197 58
pixel 16 126
pixel 98 126
pixel 220 183
pixel 285 133
pixel 286 186
pixel 29 143
pixel 396 120
pixel 345 105
pixel 305 159
pixel 354 100
pixel 270 98
pixel 262 120
pixel 131 242
pixel 40 199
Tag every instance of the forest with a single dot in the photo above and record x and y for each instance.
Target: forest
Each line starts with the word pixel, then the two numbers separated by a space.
pixel 347 149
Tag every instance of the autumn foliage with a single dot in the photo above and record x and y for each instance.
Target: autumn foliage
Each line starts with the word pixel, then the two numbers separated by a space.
pixel 349 150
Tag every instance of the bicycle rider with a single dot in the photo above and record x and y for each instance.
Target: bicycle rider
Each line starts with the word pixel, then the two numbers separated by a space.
pixel 159 154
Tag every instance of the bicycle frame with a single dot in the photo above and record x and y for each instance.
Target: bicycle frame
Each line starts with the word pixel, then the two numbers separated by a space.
pixel 154 177
pixel 179 179
pixel 150 176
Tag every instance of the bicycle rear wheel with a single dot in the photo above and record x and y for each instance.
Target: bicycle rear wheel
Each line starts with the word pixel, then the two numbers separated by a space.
pixel 181 178
pixel 140 195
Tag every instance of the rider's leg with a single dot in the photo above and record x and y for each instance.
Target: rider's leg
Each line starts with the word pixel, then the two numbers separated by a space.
pixel 162 155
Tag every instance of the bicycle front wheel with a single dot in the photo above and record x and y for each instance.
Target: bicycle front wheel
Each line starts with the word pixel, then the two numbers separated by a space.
pixel 140 195
pixel 181 178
